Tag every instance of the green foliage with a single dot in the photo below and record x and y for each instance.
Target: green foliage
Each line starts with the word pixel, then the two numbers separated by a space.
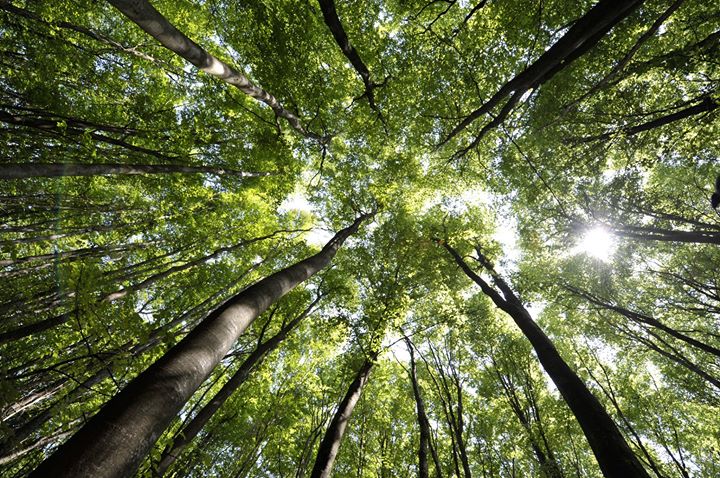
pixel 83 84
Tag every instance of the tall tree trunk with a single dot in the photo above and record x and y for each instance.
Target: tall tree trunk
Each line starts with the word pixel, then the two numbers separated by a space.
pixel 585 33
pixel 330 443
pixel 45 324
pixel 336 28
pixel 52 170
pixel 548 465
pixel 191 430
pixel 51 126
pixel 116 440
pixel 612 452
pixel 706 105
pixel 9 7
pixel 641 318
pixel 22 432
pixel 422 418
pixel 142 13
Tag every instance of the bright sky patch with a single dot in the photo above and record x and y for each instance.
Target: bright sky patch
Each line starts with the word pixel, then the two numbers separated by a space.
pixel 597 242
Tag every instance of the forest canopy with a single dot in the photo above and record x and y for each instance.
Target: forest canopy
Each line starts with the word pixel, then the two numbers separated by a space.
pixel 381 238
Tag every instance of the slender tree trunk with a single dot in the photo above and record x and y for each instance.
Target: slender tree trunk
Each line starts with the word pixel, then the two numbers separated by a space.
pixel 460 429
pixel 116 440
pixel 40 326
pixel 546 461
pixel 52 170
pixel 668 235
pixel 422 418
pixel 649 33
pixel 645 319
pixel 612 452
pixel 336 28
pixel 191 430
pixel 144 15
pixel 44 441
pixel 51 126
pixel 9 7
pixel 585 33
pixel 707 105
pixel 118 294
pixel 330 444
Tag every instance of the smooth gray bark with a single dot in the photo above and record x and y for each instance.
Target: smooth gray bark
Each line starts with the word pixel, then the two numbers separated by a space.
pixel 114 442
pixel 194 426
pixel 142 13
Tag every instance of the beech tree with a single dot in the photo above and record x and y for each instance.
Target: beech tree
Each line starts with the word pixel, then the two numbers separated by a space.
pixel 166 164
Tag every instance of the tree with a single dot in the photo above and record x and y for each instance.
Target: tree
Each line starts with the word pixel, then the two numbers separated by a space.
pixel 145 407
pixel 330 443
pixel 159 159
pixel 614 456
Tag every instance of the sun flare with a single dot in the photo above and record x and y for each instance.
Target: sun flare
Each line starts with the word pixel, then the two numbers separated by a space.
pixel 597 242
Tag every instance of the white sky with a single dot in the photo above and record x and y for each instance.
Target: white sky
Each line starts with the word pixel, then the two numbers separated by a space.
pixel 297 201
pixel 597 242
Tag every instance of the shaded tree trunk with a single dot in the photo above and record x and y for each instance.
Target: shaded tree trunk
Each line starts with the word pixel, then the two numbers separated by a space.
pixel 336 28
pixel 40 326
pixel 52 170
pixel 31 426
pixel 330 444
pixel 640 318
pixel 612 452
pixel 545 457
pixel 51 126
pixel 115 441
pixel 423 421
pixel 706 105
pixel 584 34
pixel 191 430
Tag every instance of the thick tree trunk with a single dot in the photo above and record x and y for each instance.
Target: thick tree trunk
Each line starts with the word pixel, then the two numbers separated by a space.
pixel 142 13
pixel 52 170
pixel 22 432
pixel 585 33
pixel 116 440
pixel 612 452
pixel 649 33
pixel 191 430
pixel 330 444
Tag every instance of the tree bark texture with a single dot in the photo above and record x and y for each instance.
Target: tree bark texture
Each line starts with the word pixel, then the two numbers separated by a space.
pixel 336 28
pixel 191 430
pixel 423 422
pixel 585 33
pixel 116 440
pixel 612 452
pixel 330 444
pixel 144 15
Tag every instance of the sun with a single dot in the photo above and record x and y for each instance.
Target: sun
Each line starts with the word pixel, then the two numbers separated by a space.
pixel 597 242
